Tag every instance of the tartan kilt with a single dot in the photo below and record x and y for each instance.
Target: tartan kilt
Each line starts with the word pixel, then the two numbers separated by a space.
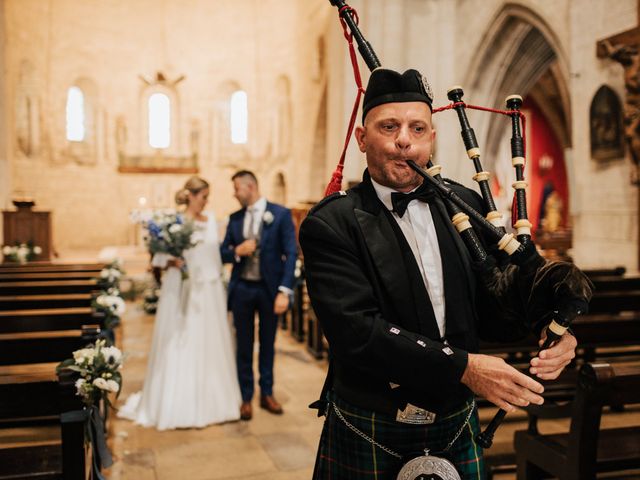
pixel 345 455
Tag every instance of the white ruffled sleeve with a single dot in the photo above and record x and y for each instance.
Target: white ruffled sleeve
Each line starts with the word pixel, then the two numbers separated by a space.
pixel 160 260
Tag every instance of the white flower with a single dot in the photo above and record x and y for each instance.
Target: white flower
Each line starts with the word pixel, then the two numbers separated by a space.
pixel 113 302
pixel 37 250
pixel 118 305
pixel 101 383
pixel 110 273
pixel 112 355
pixel 79 383
pixel 113 386
pixel 7 250
pixel 176 227
pixel 267 218
pixel 84 354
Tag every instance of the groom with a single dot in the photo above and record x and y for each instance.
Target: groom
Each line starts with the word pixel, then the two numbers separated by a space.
pixel 261 243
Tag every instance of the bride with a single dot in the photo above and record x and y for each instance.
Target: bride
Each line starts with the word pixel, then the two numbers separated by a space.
pixel 191 376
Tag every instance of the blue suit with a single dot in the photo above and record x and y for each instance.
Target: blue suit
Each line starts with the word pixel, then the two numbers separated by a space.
pixel 278 252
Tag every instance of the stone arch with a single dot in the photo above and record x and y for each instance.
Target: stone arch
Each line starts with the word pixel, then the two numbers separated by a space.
pixel 279 188
pixel 318 176
pixel 519 53
pixel 223 150
pixel 84 152
pixel 171 92
pixel 283 118
pixel 27 132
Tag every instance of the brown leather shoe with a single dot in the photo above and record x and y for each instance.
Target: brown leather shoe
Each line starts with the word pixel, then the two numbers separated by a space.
pixel 270 404
pixel 246 412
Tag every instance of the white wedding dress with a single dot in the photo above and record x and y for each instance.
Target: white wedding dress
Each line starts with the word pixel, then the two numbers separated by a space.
pixel 191 376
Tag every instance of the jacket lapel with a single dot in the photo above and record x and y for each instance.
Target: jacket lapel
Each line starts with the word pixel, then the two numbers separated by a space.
pixel 389 260
pixel 238 224
pixel 265 228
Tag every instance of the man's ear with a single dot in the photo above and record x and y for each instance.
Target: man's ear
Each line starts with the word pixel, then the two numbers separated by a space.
pixel 360 134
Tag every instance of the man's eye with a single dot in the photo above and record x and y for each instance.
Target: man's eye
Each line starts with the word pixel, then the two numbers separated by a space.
pixel 388 126
pixel 419 129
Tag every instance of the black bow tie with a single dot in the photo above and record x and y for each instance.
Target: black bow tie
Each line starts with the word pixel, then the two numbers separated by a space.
pixel 400 201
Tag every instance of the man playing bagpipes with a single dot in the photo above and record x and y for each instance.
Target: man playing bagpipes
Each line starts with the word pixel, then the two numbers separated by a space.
pixel 403 305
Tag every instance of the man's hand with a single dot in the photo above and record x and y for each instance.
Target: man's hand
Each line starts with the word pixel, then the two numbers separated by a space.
pixel 500 383
pixel 281 304
pixel 175 262
pixel 550 362
pixel 246 248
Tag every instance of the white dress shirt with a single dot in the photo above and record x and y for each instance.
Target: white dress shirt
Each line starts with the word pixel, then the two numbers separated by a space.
pixel 420 232
pixel 257 212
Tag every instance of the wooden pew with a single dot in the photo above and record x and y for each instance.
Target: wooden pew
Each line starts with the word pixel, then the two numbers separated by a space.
pixel 586 449
pixel 31 396
pixel 50 267
pixel 47 276
pixel 605 272
pixel 42 347
pixel 32 302
pixel 57 448
pixel 15 321
pixel 44 287
pixel 612 334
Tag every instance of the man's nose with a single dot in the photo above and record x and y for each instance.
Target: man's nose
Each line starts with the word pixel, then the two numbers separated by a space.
pixel 403 141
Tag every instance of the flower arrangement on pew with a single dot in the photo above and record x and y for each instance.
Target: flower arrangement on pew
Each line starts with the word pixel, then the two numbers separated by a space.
pixel 98 366
pixel 99 369
pixel 169 234
pixel 150 299
pixel 21 252
pixel 111 304
pixel 111 274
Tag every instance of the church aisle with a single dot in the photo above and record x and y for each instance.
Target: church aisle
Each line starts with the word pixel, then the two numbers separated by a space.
pixel 268 447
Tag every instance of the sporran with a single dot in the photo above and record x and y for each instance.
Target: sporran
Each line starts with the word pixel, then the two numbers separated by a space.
pixel 425 467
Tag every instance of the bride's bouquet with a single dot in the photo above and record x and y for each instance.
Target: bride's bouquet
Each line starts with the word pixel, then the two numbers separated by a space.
pixel 169 233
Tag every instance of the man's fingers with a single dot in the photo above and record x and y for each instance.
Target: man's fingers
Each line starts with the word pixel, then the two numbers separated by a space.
pixel 528 383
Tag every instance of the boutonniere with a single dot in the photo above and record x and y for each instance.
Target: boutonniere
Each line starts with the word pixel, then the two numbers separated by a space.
pixel 267 218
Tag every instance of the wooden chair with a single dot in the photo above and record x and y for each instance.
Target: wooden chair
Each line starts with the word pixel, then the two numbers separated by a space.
pixel 586 449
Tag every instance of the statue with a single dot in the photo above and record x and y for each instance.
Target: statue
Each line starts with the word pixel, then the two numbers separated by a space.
pixel 550 209
pixel 629 57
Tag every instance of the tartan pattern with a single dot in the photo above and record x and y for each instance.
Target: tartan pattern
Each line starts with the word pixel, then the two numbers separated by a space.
pixel 344 455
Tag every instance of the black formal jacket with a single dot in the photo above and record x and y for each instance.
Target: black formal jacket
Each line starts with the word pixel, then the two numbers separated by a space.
pixel 368 293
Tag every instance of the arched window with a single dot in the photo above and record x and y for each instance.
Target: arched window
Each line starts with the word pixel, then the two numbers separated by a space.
pixel 239 117
pixel 75 115
pixel 159 120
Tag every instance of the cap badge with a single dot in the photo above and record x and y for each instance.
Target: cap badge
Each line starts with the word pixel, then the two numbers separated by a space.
pixel 427 88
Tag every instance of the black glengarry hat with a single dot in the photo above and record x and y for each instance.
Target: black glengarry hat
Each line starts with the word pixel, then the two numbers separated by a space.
pixel 389 86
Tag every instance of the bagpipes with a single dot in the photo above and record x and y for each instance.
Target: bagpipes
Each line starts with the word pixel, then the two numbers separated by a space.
pixel 545 293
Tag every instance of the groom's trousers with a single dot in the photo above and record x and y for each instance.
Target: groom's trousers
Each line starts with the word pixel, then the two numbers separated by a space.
pixel 248 298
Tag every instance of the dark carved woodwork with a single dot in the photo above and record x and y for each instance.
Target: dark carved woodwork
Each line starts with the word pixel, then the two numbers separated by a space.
pixel 624 48
pixel 26 225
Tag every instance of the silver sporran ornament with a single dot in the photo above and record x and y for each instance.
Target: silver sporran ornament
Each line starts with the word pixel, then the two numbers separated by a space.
pixel 428 467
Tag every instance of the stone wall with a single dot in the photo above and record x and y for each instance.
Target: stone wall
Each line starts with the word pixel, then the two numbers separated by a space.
pixel 466 42
pixel 269 48
pixel 291 59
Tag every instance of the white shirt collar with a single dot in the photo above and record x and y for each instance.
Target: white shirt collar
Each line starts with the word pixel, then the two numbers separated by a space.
pixel 384 193
pixel 260 205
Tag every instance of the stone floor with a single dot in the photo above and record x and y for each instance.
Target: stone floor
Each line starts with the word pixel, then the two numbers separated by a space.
pixel 268 447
